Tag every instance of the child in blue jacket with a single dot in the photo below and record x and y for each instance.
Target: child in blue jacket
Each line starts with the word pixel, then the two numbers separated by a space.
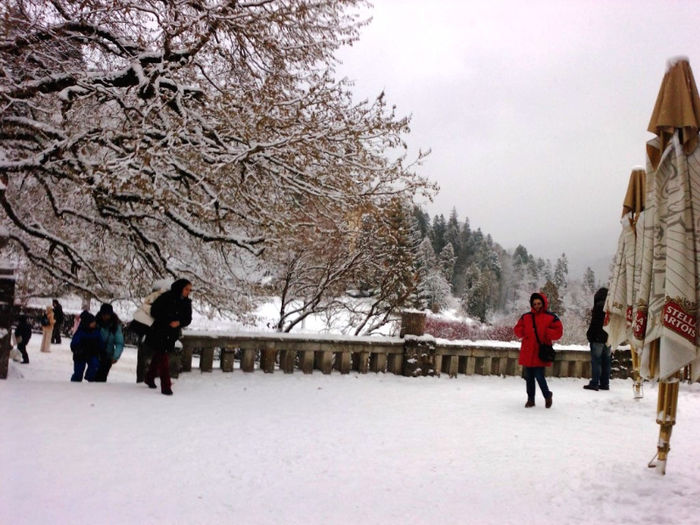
pixel 87 345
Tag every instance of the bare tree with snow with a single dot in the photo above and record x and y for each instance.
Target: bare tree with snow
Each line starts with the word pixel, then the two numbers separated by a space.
pixel 141 138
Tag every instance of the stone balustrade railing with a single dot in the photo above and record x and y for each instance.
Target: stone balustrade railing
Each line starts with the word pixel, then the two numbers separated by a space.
pixel 409 356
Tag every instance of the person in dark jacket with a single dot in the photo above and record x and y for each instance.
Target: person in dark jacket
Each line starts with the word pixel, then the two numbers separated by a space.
pixel 23 332
pixel 600 350
pixel 87 344
pixel 549 329
pixel 171 312
pixel 111 331
pixel 59 318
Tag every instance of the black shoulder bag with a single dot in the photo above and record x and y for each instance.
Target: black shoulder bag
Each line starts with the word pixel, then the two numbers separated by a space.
pixel 546 352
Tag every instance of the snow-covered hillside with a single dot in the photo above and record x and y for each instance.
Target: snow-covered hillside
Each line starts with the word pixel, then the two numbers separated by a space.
pixel 371 449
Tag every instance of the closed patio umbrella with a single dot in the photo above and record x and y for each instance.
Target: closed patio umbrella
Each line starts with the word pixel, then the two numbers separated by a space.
pixel 626 272
pixel 666 311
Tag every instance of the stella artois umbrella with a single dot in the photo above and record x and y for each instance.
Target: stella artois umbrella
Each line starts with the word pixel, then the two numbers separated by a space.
pixel 666 306
pixel 624 282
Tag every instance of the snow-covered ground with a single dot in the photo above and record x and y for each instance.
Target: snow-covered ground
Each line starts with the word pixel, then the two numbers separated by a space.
pixel 370 449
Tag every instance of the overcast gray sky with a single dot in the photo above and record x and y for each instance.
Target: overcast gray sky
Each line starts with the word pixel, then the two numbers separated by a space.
pixel 535 111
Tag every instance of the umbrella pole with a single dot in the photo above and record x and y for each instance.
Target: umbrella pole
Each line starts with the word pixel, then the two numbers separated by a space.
pixel 666 418
pixel 637 387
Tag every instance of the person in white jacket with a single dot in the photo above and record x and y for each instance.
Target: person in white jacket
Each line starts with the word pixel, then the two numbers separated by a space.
pixel 47 322
pixel 143 316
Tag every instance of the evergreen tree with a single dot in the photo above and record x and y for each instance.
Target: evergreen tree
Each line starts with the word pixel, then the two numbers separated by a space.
pixel 475 300
pixel 556 305
pixel 426 262
pixel 462 255
pixel 433 286
pixel 589 280
pixel 438 233
pixel 453 234
pixel 561 272
pixel 548 272
pixel 446 261
pixel 422 220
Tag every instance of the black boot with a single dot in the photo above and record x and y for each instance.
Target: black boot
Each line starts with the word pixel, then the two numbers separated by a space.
pixel 548 401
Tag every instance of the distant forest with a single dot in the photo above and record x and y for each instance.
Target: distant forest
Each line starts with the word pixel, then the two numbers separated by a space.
pixel 466 268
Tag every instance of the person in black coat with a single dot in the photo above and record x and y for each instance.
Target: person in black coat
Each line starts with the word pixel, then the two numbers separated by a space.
pixel 171 312
pixel 23 333
pixel 59 318
pixel 600 350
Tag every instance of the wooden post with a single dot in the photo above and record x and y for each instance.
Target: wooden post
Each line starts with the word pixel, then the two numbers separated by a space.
pixel 287 358
pixel 666 406
pixel 438 361
pixel 227 359
pixel 486 366
pixel 186 360
pixel 307 361
pixel 363 362
pixel 343 362
pixel 637 388
pixel 268 357
pixel 7 301
pixel 324 361
pixel 471 365
pixel 206 359
pixel 248 359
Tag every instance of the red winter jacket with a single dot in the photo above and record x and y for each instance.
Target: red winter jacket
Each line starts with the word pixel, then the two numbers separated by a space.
pixel 549 329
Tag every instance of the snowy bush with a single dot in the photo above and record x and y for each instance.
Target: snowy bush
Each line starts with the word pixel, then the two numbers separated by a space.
pixel 452 330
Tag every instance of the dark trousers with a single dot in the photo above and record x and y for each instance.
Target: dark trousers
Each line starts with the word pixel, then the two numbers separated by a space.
pixel 600 364
pixel 143 359
pixel 56 334
pixel 79 368
pixel 160 366
pixel 533 373
pixel 22 347
pixel 103 370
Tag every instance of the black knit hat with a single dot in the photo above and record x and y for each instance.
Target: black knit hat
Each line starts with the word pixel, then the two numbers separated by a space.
pixel 106 309
pixel 86 318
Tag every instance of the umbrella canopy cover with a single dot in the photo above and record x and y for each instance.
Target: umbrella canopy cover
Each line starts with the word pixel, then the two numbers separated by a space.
pixel 670 272
pixel 677 108
pixel 625 278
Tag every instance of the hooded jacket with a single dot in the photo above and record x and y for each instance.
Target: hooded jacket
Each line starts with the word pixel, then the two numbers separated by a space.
pixel 595 333
pixel 549 329
pixel 87 342
pixel 169 307
pixel 111 331
pixel 23 332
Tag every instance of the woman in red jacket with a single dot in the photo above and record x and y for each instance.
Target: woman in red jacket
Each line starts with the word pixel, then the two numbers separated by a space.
pixel 549 329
